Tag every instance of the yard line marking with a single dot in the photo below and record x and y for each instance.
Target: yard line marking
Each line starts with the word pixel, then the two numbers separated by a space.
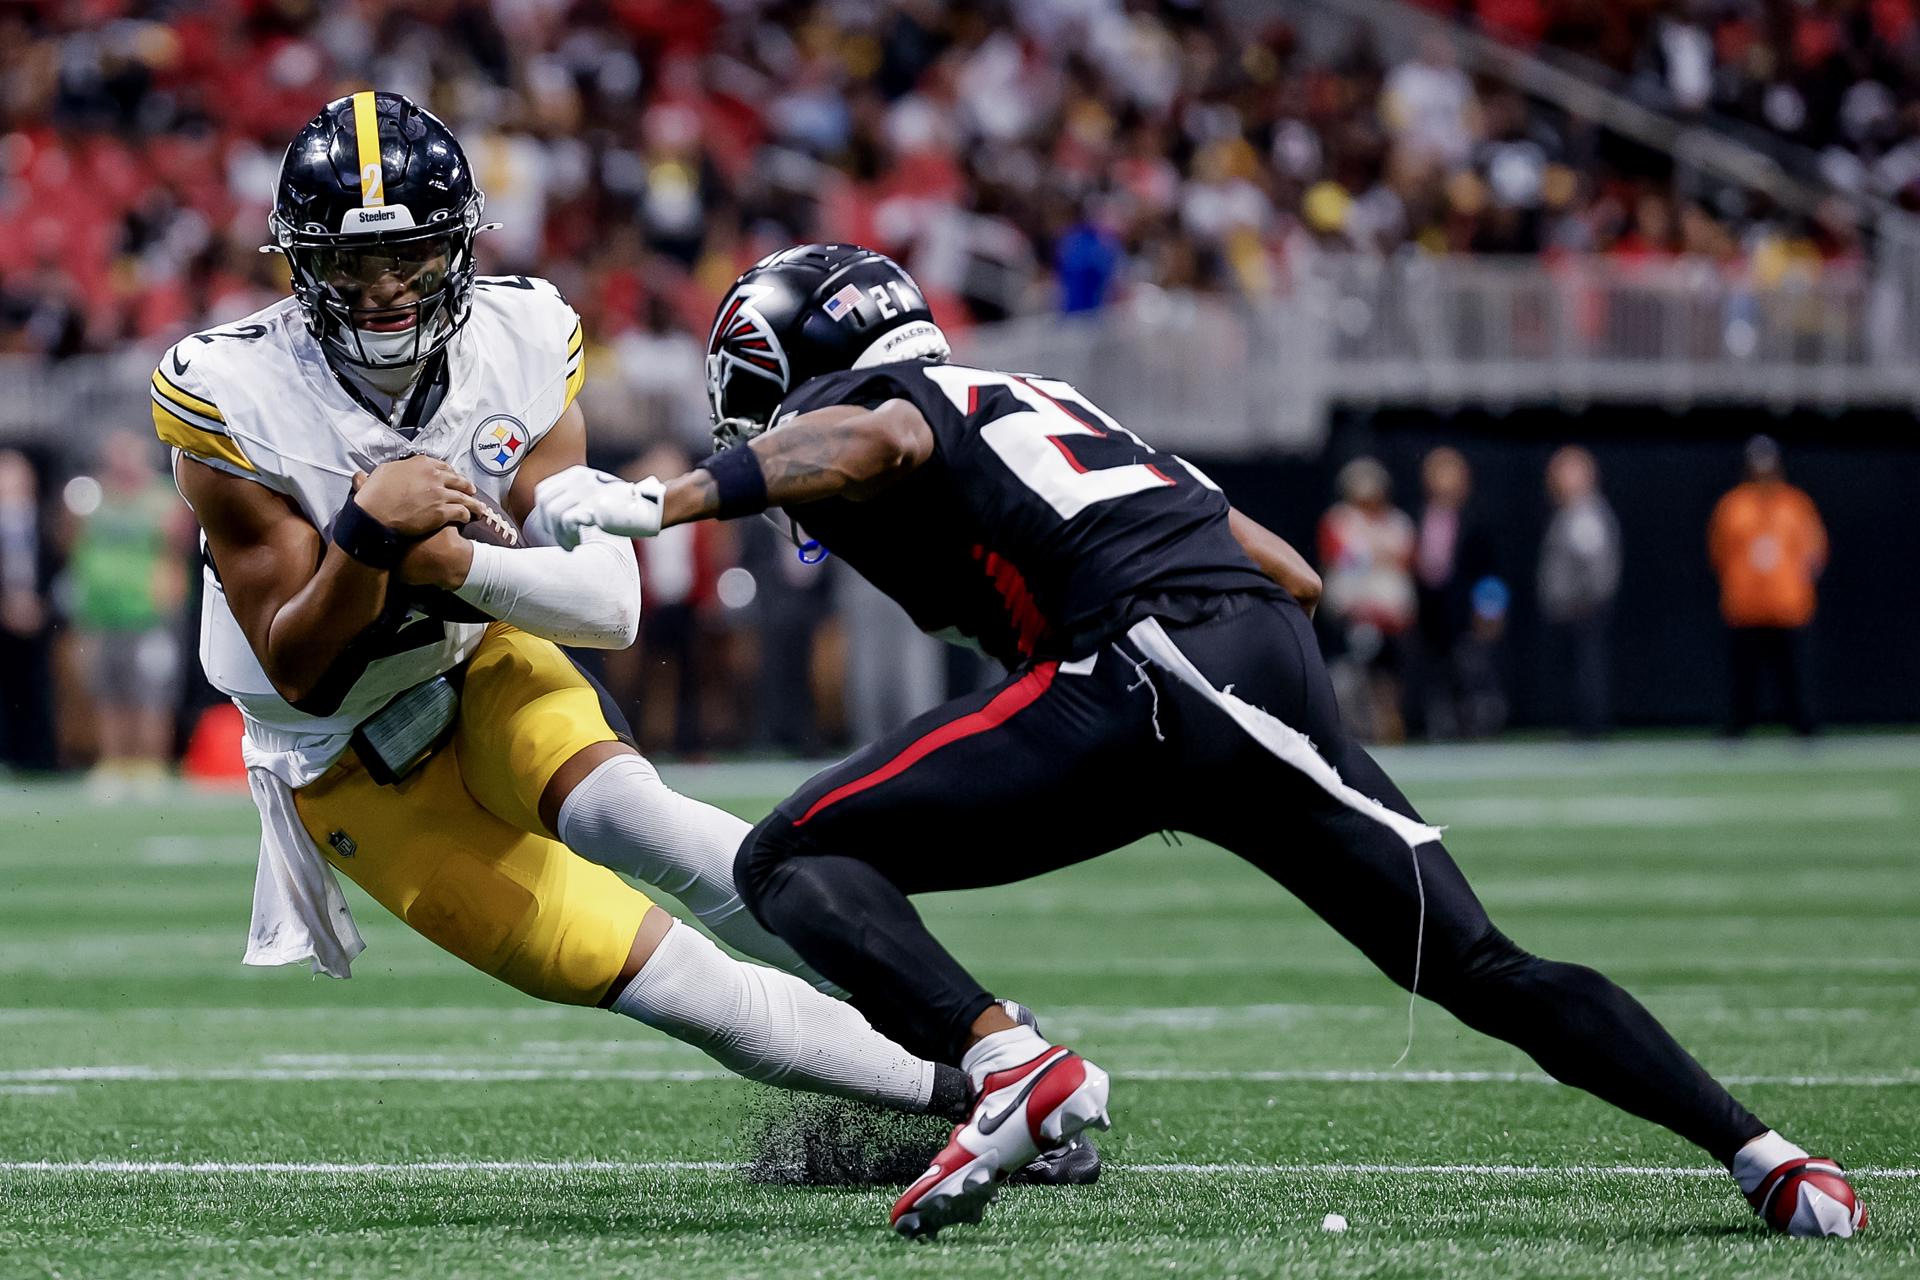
pixel 371 1072
pixel 1334 1169
pixel 1630 810
pixel 376 1070
pixel 327 1168
pixel 1477 1170
pixel 1888 1081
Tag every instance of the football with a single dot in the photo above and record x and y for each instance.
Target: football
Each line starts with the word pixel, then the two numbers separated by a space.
pixel 1811 1198
pixel 492 526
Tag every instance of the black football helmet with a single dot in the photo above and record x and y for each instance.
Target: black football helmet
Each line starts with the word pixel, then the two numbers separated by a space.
pixel 805 311
pixel 376 197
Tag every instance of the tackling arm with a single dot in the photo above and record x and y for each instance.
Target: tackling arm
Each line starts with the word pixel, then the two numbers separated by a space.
pixel 839 451
pixel 1274 556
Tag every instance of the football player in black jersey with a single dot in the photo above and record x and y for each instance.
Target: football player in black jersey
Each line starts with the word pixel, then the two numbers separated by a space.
pixel 1163 674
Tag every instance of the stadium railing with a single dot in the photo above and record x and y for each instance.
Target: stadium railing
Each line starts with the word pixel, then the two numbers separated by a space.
pixel 1233 377
pixel 1224 377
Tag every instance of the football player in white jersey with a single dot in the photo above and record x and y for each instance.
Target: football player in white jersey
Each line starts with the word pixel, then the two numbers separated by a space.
pixel 411 722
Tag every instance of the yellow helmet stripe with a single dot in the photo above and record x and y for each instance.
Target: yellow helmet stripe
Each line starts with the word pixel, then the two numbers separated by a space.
pixel 366 131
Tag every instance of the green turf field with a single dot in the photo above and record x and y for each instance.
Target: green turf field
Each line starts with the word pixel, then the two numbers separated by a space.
pixel 165 1111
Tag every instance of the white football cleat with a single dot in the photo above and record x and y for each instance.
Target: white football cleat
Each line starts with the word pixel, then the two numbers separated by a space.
pixel 1809 1197
pixel 1021 1111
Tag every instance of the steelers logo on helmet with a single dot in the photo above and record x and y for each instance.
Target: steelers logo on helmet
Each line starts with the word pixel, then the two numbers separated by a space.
pixel 745 360
pixel 499 443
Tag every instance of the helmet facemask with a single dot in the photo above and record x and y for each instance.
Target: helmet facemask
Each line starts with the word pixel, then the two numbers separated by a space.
pixel 728 431
pixel 387 300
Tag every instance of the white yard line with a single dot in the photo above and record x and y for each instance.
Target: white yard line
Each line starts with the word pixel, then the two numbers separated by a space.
pixel 323 1168
pixel 1333 1169
pixel 1452 762
pixel 1627 809
pixel 1477 1170
pixel 385 1070
pixel 373 1071
pixel 1894 1080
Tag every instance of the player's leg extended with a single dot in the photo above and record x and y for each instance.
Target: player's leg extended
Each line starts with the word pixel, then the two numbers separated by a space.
pixel 1360 876
pixel 527 910
pixel 545 752
pixel 1040 772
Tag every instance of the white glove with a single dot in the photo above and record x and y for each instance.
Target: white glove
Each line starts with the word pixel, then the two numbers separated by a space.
pixel 582 498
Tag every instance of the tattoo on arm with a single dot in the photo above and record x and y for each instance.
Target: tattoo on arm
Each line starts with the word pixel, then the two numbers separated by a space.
pixel 841 450
pixel 817 456
pixel 693 496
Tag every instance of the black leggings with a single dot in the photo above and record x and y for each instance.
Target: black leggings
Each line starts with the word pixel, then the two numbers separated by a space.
pixel 1060 763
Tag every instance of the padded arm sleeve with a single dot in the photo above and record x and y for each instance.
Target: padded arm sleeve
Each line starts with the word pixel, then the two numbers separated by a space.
pixel 588 597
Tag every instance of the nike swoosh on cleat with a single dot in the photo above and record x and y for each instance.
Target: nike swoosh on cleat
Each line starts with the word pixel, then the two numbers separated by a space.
pixel 988 1124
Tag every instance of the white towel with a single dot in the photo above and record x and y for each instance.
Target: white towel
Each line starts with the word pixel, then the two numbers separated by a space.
pixel 1284 741
pixel 299 912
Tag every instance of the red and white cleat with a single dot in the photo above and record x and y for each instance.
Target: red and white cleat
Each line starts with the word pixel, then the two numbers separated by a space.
pixel 1021 1111
pixel 1809 1197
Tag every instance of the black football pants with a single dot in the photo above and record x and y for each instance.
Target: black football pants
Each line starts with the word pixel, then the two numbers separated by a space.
pixel 1061 763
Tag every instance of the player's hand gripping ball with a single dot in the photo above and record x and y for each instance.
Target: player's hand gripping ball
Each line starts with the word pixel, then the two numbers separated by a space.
pixel 420 568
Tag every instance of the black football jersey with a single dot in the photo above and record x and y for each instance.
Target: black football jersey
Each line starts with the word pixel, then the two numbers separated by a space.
pixel 1039 528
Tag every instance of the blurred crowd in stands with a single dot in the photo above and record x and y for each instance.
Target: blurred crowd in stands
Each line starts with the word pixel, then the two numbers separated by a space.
pixel 1837 77
pixel 1017 155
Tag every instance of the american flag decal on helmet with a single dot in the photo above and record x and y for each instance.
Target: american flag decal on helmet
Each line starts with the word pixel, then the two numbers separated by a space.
pixel 841 304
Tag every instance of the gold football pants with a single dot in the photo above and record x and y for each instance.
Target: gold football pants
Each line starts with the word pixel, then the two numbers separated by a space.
pixel 457 849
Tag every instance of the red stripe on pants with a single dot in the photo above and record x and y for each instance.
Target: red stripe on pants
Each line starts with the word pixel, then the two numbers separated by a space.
pixel 1006 704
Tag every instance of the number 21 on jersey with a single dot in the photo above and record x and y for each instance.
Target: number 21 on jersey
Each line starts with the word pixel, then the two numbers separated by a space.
pixel 1032 441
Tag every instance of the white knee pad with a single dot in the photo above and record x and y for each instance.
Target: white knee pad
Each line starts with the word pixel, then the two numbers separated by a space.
pixel 622 816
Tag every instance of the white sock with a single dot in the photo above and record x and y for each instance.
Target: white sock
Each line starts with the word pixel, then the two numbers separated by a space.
pixel 1001 1050
pixel 622 816
pixel 769 1026
pixel 1753 1162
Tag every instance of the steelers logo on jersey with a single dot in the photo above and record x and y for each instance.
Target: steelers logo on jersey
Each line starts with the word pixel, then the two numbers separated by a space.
pixel 498 444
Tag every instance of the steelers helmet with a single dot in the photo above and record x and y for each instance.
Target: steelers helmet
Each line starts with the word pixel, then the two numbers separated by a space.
pixel 805 311
pixel 376 211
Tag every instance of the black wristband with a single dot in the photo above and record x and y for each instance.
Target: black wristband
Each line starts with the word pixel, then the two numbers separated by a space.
pixel 742 484
pixel 366 539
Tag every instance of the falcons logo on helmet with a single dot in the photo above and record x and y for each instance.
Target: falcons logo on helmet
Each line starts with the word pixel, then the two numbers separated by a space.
pixel 743 341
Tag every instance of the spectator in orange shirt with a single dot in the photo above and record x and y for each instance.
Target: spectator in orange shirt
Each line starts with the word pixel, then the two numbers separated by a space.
pixel 1768 548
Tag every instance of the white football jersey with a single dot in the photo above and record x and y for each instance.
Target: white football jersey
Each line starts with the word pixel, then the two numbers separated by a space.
pixel 258 399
